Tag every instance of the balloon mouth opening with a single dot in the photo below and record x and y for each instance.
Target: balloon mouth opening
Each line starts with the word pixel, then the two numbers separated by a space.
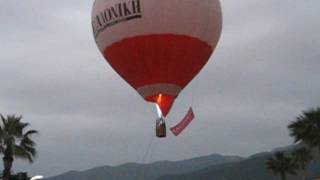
pixel 162 102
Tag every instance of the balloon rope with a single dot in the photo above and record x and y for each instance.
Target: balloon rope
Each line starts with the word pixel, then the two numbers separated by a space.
pixel 144 158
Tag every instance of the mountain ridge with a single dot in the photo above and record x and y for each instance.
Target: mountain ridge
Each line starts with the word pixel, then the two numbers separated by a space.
pixel 131 171
pixel 251 168
pixel 213 167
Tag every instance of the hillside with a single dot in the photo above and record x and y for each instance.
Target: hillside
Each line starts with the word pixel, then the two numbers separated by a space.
pixel 252 168
pixel 213 167
pixel 133 171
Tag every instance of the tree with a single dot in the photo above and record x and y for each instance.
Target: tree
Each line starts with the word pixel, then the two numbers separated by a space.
pixel 306 128
pixel 281 164
pixel 301 158
pixel 15 141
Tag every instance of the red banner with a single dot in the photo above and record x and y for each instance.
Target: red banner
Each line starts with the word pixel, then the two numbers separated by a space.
pixel 176 130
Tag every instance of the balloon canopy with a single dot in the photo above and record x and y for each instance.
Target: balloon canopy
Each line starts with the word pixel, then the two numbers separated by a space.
pixel 157 46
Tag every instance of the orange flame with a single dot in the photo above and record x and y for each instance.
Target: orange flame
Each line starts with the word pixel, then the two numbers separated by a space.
pixel 159 99
pixel 163 101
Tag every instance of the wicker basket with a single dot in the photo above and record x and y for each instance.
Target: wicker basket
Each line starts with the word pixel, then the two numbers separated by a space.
pixel 161 128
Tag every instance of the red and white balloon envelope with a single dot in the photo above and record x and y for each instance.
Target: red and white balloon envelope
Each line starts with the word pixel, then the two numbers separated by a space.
pixel 157 46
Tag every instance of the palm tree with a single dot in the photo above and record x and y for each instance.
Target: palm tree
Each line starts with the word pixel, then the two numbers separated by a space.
pixel 306 128
pixel 301 158
pixel 281 164
pixel 15 142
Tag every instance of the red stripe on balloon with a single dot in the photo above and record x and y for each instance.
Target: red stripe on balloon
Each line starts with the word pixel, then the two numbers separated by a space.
pixel 158 59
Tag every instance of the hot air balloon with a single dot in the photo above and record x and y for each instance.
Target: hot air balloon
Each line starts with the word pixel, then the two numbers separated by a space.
pixel 157 46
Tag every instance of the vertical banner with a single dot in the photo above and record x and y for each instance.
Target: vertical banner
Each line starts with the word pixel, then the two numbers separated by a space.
pixel 176 130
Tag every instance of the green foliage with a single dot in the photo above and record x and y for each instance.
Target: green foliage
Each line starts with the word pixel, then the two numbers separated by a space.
pixel 282 164
pixel 302 157
pixel 306 128
pixel 15 141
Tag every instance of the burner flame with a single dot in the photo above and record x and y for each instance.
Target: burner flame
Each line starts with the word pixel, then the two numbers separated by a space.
pixel 159 112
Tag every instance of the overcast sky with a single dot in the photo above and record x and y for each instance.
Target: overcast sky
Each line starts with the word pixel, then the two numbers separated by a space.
pixel 264 72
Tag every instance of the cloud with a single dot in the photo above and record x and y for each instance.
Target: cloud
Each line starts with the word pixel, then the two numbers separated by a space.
pixel 263 73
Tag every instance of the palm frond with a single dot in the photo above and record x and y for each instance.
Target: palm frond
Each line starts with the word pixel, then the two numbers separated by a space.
pixel 302 157
pixel 281 163
pixel 26 141
pixel 306 128
pixel 15 138
pixel 21 153
pixel 30 132
pixel 31 150
pixel 3 119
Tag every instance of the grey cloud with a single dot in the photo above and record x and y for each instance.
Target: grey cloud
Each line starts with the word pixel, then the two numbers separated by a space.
pixel 263 73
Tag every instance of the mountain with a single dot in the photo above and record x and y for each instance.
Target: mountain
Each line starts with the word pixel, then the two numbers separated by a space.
pixel 212 167
pixel 252 168
pixel 133 171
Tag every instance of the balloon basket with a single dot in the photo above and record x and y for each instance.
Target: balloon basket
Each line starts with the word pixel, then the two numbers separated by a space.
pixel 161 128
